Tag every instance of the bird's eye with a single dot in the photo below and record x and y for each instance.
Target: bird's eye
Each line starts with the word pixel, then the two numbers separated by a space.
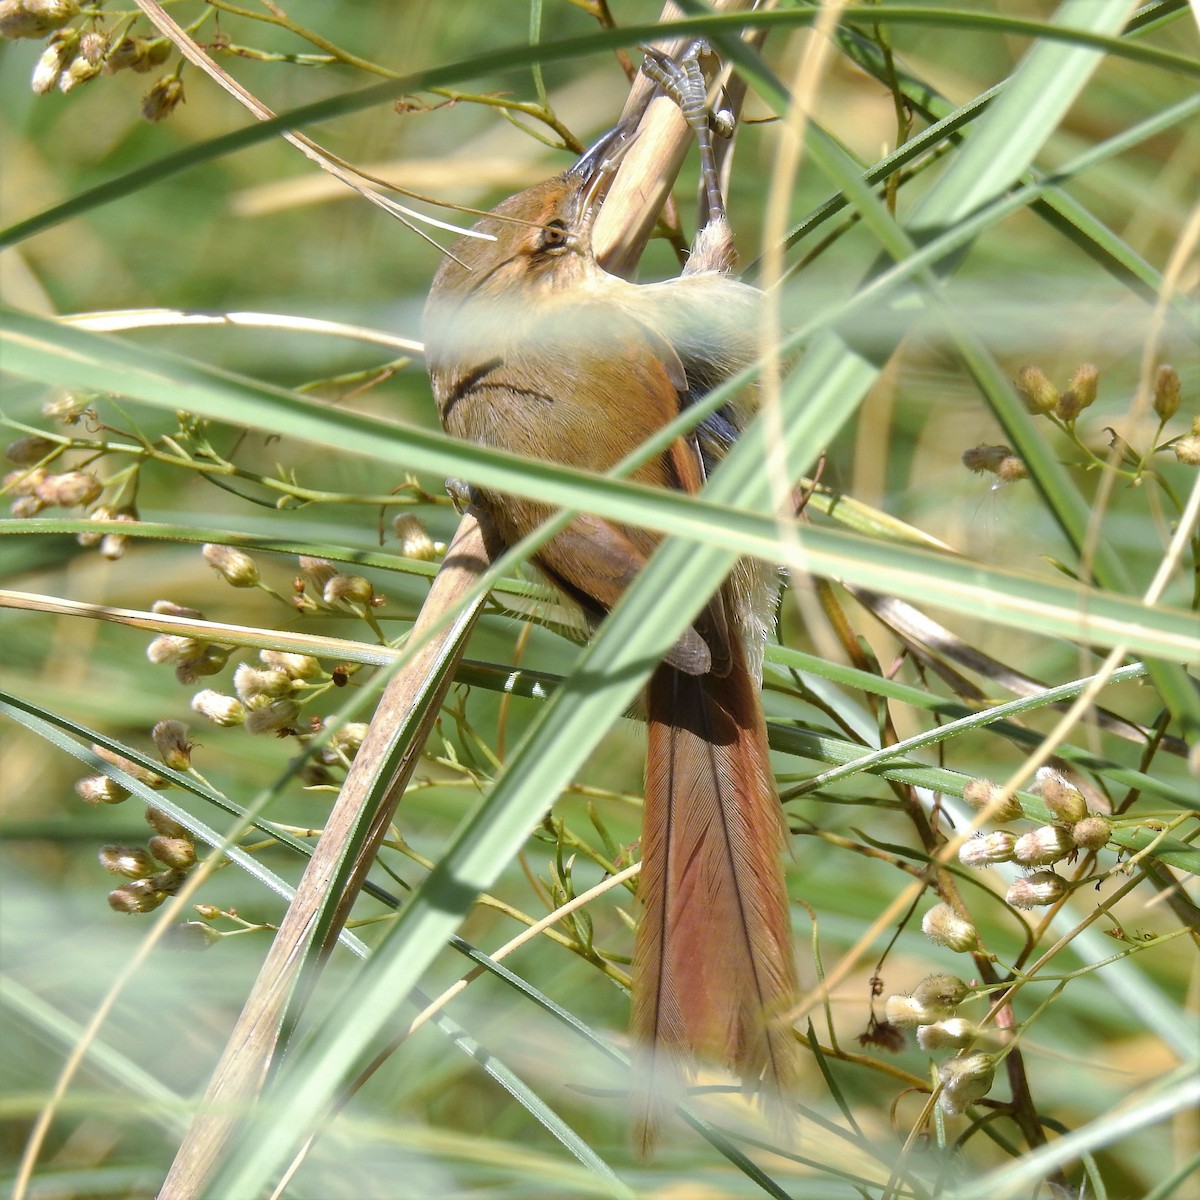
pixel 553 237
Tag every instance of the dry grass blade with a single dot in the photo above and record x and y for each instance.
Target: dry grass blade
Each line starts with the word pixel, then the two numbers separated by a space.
pixel 187 46
pixel 153 318
pixel 338 649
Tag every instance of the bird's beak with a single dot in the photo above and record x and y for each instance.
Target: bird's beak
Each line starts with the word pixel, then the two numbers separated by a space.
pixel 598 165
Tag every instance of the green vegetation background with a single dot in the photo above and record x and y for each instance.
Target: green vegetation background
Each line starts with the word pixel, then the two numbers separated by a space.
pixel 261 231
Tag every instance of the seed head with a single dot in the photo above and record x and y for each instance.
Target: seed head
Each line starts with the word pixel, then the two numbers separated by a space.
pixel 1092 833
pixel 983 795
pixel 169 881
pixel 168 608
pixel 100 789
pixel 171 742
pixel 176 852
pixel 24 483
pixel 1066 803
pixel 1187 450
pixel 944 927
pixel 68 407
pixel 218 708
pixel 952 1034
pixel 129 861
pixel 73 489
pixel 1042 846
pixel 170 648
pixel 316 572
pixel 113 545
pixel 24 507
pixel 984 849
pixel 136 896
pixel 162 99
pixel 138 54
pixel 295 666
pixel 345 741
pixel 264 715
pixel 1167 392
pixel 87 63
pixel 964 1081
pixel 352 588
pixel 413 537
pixel 34 18
pixel 1039 394
pixel 211 662
pixel 1037 890
pixel 52 63
pixel 164 824
pixel 904 1011
pixel 28 451
pixel 1080 393
pixel 234 566
pixel 250 682
pixel 140 773
pixel 123 55
pixel 100 513
pixel 941 993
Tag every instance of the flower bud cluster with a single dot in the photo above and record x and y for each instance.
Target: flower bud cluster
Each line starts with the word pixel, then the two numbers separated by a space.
pixel 266 695
pixel 321 585
pixel 77 54
pixel 414 539
pixel 153 873
pixel 86 61
pixel 191 657
pixel 102 789
pixel 111 545
pixel 1042 398
pixel 35 487
pixel 158 870
pixel 1074 828
pixel 35 18
pixel 931 1009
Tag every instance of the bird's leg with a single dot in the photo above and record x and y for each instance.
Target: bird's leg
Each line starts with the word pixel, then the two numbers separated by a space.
pixel 684 81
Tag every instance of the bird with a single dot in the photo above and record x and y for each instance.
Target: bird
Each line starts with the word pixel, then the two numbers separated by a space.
pixel 533 348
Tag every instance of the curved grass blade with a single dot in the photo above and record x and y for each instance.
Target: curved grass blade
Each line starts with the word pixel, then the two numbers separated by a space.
pixel 829 373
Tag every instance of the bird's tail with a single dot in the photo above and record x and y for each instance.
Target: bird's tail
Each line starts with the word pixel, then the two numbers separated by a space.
pixel 714 972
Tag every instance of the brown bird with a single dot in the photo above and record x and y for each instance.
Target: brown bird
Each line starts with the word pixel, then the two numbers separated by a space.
pixel 534 348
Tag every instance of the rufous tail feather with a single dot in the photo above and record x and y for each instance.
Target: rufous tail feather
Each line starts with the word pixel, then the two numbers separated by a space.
pixel 713 971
